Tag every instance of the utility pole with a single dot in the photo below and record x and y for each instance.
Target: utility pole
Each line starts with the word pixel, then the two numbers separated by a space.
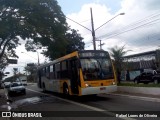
pixel 93 32
pixel 101 44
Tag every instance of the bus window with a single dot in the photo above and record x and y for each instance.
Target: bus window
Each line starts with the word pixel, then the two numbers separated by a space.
pixel 90 68
pixel 48 72
pixel 96 68
pixel 57 70
pixel 43 71
pixel 51 72
pixel 64 70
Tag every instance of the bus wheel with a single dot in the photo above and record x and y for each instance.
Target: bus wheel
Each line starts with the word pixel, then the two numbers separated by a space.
pixel 43 87
pixel 65 90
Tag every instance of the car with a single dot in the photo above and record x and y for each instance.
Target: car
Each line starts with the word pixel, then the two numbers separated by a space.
pixel 148 76
pixel 144 77
pixel 24 82
pixel 16 87
pixel 6 84
pixel 156 77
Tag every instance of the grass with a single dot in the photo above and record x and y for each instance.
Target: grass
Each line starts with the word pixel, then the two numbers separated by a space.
pixel 139 85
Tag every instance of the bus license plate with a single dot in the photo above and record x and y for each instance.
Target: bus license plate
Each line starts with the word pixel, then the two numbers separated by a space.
pixel 102 88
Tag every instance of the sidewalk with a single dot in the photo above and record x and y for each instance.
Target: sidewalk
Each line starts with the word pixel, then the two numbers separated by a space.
pixel 2 100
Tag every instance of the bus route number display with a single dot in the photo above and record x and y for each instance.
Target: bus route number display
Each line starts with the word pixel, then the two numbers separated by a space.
pixel 92 54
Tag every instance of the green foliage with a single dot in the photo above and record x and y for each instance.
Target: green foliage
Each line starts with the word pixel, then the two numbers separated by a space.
pixel 117 54
pixel 31 69
pixel 74 41
pixel 31 72
pixel 9 29
pixel 3 63
pixel 41 23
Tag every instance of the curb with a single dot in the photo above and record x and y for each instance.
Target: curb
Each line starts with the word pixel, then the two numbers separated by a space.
pixel 140 90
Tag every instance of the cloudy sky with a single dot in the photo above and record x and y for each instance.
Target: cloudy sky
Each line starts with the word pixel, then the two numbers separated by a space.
pixel 138 29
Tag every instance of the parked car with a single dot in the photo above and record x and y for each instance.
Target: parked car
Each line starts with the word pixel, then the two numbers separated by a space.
pixel 16 87
pixel 6 84
pixel 24 82
pixel 156 77
pixel 146 77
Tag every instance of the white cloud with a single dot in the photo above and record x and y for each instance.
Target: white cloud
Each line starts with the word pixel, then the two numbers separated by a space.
pixel 139 37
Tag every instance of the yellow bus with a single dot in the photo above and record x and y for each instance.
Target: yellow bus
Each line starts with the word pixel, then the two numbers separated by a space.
pixel 79 73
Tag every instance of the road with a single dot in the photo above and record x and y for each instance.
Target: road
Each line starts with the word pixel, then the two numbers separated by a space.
pixel 93 107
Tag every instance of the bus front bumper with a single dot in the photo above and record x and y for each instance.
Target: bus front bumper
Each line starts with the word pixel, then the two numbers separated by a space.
pixel 98 90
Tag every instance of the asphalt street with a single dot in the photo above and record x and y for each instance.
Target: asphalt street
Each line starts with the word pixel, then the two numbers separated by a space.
pixel 89 107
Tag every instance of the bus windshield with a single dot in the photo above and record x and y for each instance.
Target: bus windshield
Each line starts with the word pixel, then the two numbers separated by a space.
pixel 97 68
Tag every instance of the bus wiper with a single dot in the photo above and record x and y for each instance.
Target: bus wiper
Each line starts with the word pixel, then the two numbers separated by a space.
pixel 100 71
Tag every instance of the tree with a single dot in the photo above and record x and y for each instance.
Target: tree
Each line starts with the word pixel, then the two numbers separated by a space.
pixel 74 41
pixel 9 29
pixel 3 62
pixel 117 54
pixel 31 70
pixel 15 71
pixel 39 22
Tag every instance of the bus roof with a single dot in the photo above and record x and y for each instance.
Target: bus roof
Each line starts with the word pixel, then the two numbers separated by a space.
pixel 73 54
pixel 60 59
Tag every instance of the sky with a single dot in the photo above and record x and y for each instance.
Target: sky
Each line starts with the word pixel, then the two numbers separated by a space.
pixel 137 30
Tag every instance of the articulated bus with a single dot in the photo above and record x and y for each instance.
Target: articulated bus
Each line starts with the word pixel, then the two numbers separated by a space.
pixel 79 73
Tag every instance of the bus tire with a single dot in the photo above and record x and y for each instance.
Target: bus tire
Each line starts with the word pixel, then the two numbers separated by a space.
pixel 65 89
pixel 43 87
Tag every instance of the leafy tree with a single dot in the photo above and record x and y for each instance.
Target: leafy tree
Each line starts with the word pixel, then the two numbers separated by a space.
pixel 31 70
pixel 39 22
pixel 117 54
pixel 9 29
pixel 15 71
pixel 3 62
pixel 74 41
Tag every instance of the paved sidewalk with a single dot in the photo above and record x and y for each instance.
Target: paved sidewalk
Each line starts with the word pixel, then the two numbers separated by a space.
pixel 3 103
pixel 2 99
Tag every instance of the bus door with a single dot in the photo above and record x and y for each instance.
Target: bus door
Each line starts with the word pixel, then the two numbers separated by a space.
pixel 39 79
pixel 74 75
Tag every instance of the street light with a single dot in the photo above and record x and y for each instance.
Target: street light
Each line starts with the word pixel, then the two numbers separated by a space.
pixel 110 20
pixel 33 57
pixel 93 30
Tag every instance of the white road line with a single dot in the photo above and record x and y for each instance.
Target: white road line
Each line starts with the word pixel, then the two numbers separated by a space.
pixel 82 105
pixel 138 97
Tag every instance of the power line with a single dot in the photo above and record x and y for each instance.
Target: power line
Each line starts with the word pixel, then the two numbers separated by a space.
pixel 124 31
pixel 141 22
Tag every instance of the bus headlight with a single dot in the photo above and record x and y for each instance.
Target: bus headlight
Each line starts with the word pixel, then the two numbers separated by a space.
pixel 113 83
pixel 86 85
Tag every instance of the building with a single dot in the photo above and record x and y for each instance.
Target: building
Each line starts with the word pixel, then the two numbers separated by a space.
pixel 133 65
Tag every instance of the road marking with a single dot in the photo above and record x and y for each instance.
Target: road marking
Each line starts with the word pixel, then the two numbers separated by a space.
pixel 138 97
pixel 83 105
